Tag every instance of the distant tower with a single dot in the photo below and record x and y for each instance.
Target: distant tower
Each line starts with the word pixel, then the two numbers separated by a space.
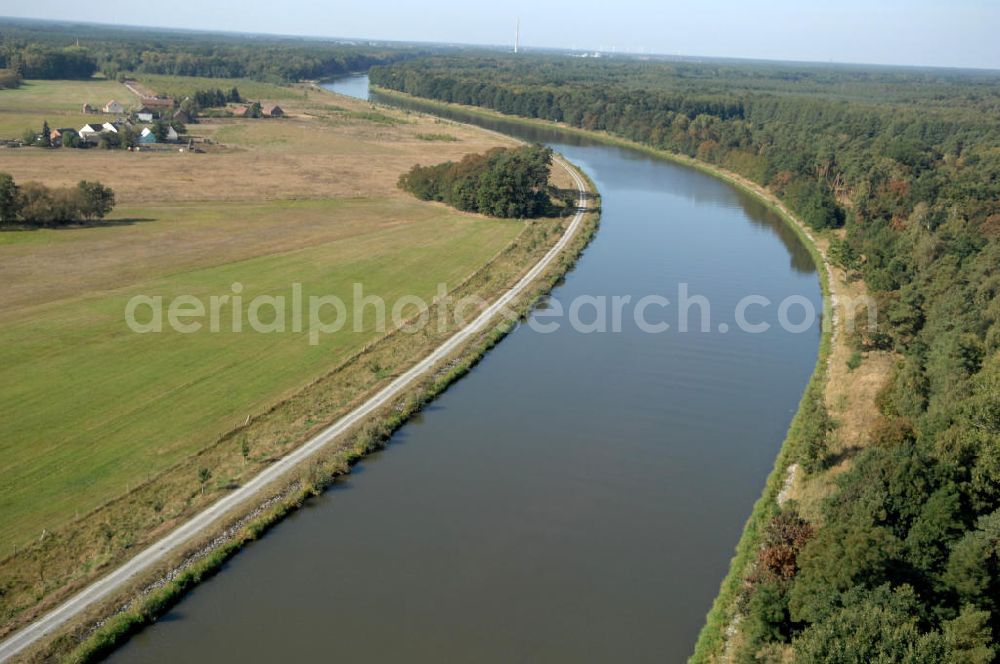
pixel 517 36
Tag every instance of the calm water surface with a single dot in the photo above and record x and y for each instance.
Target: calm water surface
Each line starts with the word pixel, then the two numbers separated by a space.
pixel 577 497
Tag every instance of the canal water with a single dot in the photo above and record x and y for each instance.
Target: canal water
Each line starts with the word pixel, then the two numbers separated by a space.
pixel 578 496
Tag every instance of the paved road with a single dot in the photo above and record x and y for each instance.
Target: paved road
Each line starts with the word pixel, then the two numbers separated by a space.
pixel 207 520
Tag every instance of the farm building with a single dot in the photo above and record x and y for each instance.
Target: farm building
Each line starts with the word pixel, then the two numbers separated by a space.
pixel 92 131
pixel 275 111
pixel 114 107
pixel 146 114
pixel 158 103
pixel 62 135
pixel 88 130
pixel 148 136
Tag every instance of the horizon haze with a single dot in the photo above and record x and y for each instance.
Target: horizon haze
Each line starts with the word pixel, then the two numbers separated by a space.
pixel 887 32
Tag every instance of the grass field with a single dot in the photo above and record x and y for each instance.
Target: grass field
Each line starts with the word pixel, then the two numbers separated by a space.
pixel 179 87
pixel 99 407
pixel 112 438
pixel 59 102
pixel 310 199
pixel 327 147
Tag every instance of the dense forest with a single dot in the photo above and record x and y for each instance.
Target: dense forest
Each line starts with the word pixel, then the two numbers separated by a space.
pixel 49 50
pixel 904 562
pixel 34 61
pixel 509 183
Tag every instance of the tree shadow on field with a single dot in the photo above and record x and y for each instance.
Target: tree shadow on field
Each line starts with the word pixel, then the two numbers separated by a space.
pixel 104 223
pixel 573 194
pixel 570 201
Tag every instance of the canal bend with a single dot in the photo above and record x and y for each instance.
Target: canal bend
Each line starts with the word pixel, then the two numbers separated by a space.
pixel 578 496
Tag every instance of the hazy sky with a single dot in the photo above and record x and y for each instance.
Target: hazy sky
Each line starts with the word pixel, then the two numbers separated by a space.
pixel 954 33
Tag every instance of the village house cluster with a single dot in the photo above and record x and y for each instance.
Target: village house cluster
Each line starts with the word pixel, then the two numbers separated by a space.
pixel 152 110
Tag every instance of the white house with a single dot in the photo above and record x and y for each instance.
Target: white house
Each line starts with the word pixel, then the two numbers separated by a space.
pixel 90 132
pixel 148 136
pixel 88 129
pixel 144 115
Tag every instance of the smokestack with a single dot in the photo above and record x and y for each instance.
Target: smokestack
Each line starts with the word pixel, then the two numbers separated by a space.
pixel 517 35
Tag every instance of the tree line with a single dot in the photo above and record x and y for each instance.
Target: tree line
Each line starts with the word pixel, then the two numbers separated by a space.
pixel 504 182
pixel 36 50
pixel 46 62
pixel 904 562
pixel 35 204
pixel 216 98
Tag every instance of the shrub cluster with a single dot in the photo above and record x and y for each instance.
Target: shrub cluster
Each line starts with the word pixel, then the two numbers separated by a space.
pixel 35 204
pixel 216 98
pixel 510 183
pixel 9 78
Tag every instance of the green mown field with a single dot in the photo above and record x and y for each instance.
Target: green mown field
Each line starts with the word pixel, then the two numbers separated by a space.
pixel 93 408
pixel 58 102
